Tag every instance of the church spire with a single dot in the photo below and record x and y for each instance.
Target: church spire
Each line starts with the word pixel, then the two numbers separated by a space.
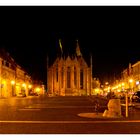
pixel 78 52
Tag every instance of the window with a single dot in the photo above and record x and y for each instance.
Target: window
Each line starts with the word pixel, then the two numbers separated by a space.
pixel 62 76
pixel 81 79
pixel 75 74
pixel 68 77
pixel 57 73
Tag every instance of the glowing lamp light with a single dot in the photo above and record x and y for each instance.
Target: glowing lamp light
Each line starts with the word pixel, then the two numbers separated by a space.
pixel 24 85
pixel 137 82
pixel 37 89
pixel 106 83
pixel 122 84
pixel 30 86
pixel 118 90
pixel 96 90
pixel 131 80
pixel 12 82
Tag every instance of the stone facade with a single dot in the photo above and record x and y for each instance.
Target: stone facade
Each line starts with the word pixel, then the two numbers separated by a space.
pixel 13 79
pixel 132 72
pixel 70 76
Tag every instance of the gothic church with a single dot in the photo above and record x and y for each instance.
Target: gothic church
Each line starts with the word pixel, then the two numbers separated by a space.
pixel 70 76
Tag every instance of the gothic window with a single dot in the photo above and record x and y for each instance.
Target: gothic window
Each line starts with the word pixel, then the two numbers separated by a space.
pixel 81 79
pixel 62 76
pixel 68 77
pixel 75 76
pixel 57 73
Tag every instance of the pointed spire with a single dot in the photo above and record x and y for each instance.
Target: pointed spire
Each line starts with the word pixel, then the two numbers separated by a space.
pixel 78 52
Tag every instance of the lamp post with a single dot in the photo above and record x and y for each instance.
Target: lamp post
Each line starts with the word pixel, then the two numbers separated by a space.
pixel 130 82
pixel 13 83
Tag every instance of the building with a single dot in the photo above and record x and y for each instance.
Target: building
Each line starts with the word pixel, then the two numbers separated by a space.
pixel 131 76
pixel 70 76
pixel 136 75
pixel 13 78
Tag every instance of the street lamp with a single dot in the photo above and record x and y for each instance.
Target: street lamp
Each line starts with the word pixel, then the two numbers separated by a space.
pixel 122 84
pixel 130 82
pixel 106 83
pixel 12 83
pixel 30 86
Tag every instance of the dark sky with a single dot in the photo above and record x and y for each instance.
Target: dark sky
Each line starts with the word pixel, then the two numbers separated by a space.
pixel 111 34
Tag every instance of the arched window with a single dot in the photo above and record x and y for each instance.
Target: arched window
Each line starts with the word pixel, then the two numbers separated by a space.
pixel 62 76
pixel 57 73
pixel 68 77
pixel 81 79
pixel 75 74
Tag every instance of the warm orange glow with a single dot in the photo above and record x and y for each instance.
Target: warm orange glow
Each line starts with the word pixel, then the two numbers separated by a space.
pixel 37 89
pixel 12 82
pixel 18 84
pixel 24 85
pixel 97 90
pixel 131 80
pixel 118 90
pixel 30 86
pixel 122 84
pixel 106 83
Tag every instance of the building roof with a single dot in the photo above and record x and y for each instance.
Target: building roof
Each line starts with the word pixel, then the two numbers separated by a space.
pixel 6 56
pixel 137 63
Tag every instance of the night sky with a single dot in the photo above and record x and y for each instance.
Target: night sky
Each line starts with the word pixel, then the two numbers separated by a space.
pixel 111 34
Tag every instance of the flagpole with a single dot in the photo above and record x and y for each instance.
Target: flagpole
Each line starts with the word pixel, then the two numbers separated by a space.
pixel 60 44
pixel 47 70
pixel 91 74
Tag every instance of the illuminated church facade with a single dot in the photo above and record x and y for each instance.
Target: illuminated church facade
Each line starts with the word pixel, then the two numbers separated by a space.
pixel 70 76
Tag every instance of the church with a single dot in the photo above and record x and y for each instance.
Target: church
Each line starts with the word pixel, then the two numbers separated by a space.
pixel 70 76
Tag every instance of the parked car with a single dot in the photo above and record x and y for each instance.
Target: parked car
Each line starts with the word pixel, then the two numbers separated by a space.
pixel 21 95
pixel 136 97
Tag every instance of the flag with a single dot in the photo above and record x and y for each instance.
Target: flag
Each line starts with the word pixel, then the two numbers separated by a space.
pixel 60 45
pixel 78 52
